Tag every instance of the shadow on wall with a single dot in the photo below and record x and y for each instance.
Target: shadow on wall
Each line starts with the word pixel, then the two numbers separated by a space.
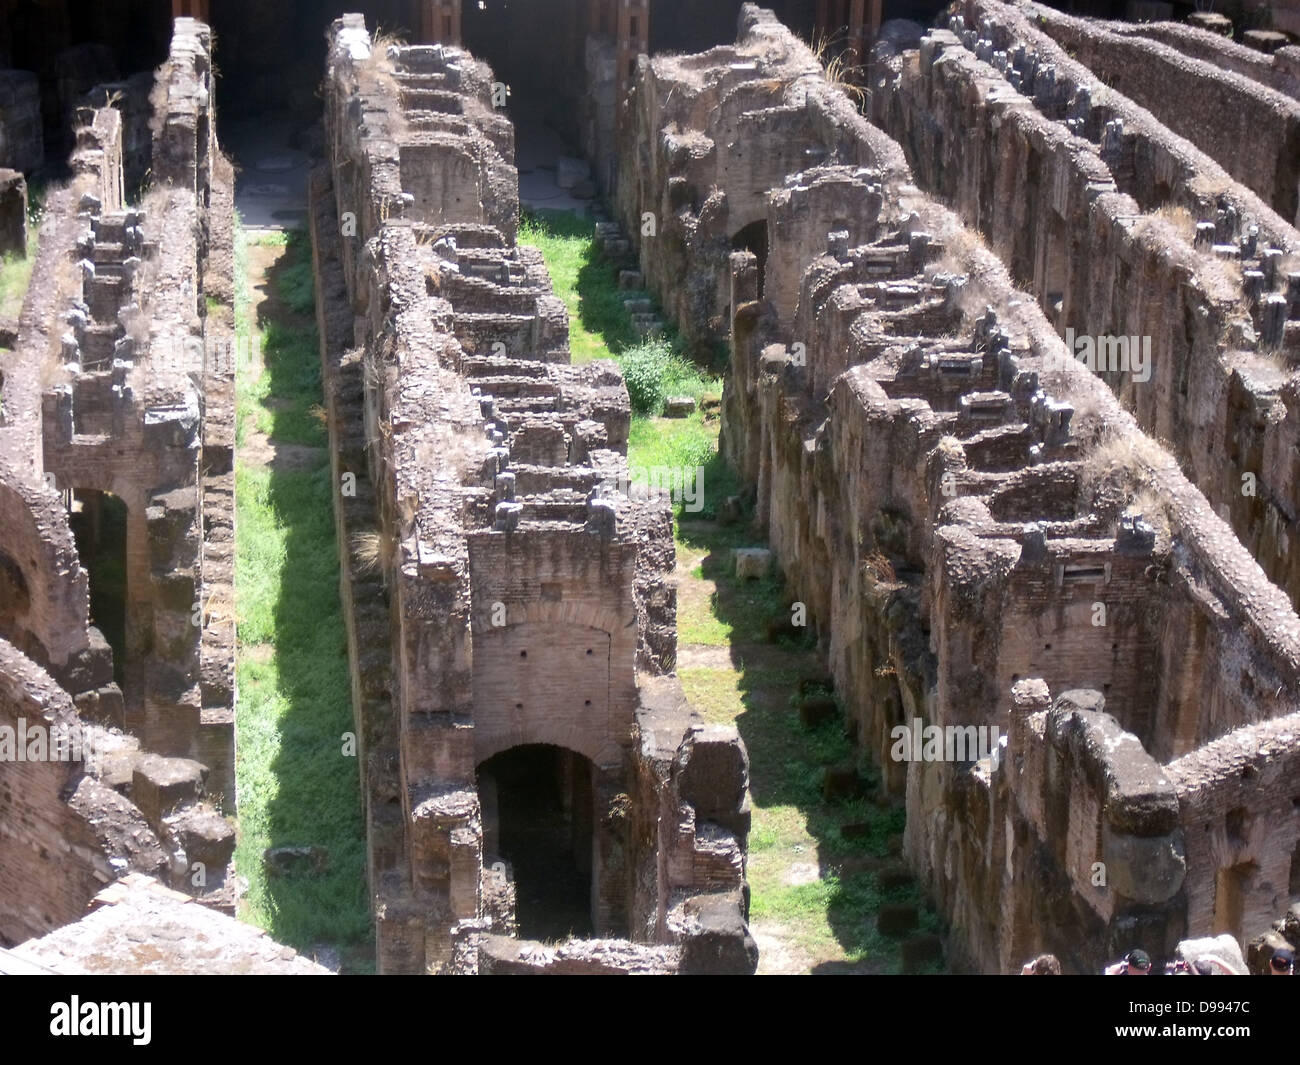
pixel 98 523
pixel 858 838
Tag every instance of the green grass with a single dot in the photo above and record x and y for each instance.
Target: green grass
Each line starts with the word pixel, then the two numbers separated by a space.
pixel 15 269
pixel 671 442
pixel 598 324
pixel 296 786
pixel 272 238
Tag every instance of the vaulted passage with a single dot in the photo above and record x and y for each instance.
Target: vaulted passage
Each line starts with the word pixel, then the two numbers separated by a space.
pixel 99 524
pixel 537 816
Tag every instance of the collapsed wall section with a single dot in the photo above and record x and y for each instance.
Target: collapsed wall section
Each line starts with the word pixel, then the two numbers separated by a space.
pixel 502 594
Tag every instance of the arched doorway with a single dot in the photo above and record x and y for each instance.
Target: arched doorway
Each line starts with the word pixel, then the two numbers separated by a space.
pixel 538 815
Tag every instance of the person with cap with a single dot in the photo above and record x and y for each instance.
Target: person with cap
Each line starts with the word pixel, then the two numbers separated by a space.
pixel 1134 963
pixel 1282 963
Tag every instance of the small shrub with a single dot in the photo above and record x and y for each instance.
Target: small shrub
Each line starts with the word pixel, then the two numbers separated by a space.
pixel 646 369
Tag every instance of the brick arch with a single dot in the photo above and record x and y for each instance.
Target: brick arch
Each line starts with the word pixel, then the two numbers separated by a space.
pixel 487 746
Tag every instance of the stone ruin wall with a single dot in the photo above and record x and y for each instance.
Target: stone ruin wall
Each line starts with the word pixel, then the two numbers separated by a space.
pixel 481 461
pixel 1278 70
pixel 1087 198
pixel 1249 128
pixel 121 380
pixel 937 480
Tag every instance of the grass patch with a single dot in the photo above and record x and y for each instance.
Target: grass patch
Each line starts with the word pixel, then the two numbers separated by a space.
pixel 818 888
pixel 296 785
pixel 296 285
pixel 268 238
pixel 16 268
pixel 598 323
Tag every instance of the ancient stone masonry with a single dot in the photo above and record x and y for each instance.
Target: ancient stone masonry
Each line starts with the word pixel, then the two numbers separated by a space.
pixel 1278 69
pixel 138 925
pixel 502 588
pixel 116 434
pixel 13 213
pixel 1122 229
pixel 702 141
pixel 1249 128
pixel 983 537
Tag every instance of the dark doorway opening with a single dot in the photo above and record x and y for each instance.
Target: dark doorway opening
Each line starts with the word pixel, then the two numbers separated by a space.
pixel 542 824
pixel 1233 886
pixel 98 522
pixel 537 49
pixel 753 238
pixel 271 56
pixel 531 45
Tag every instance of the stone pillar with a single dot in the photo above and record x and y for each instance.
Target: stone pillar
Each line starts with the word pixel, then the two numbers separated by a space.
pixel 609 851
pixel 857 40
pixel 600 18
pixel 875 14
pixel 198 9
pixel 13 212
pixel 440 21
pixel 633 39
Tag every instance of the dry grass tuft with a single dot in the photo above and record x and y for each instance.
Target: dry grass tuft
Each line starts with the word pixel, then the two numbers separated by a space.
pixel 371 552
pixel 1118 477
pixel 840 68
pixel 880 567
pixel 1180 218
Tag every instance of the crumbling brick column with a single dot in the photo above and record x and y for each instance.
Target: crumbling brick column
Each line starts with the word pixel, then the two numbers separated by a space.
pixel 600 16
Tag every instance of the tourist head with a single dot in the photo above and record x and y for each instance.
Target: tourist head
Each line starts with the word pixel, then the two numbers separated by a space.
pixel 1137 963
